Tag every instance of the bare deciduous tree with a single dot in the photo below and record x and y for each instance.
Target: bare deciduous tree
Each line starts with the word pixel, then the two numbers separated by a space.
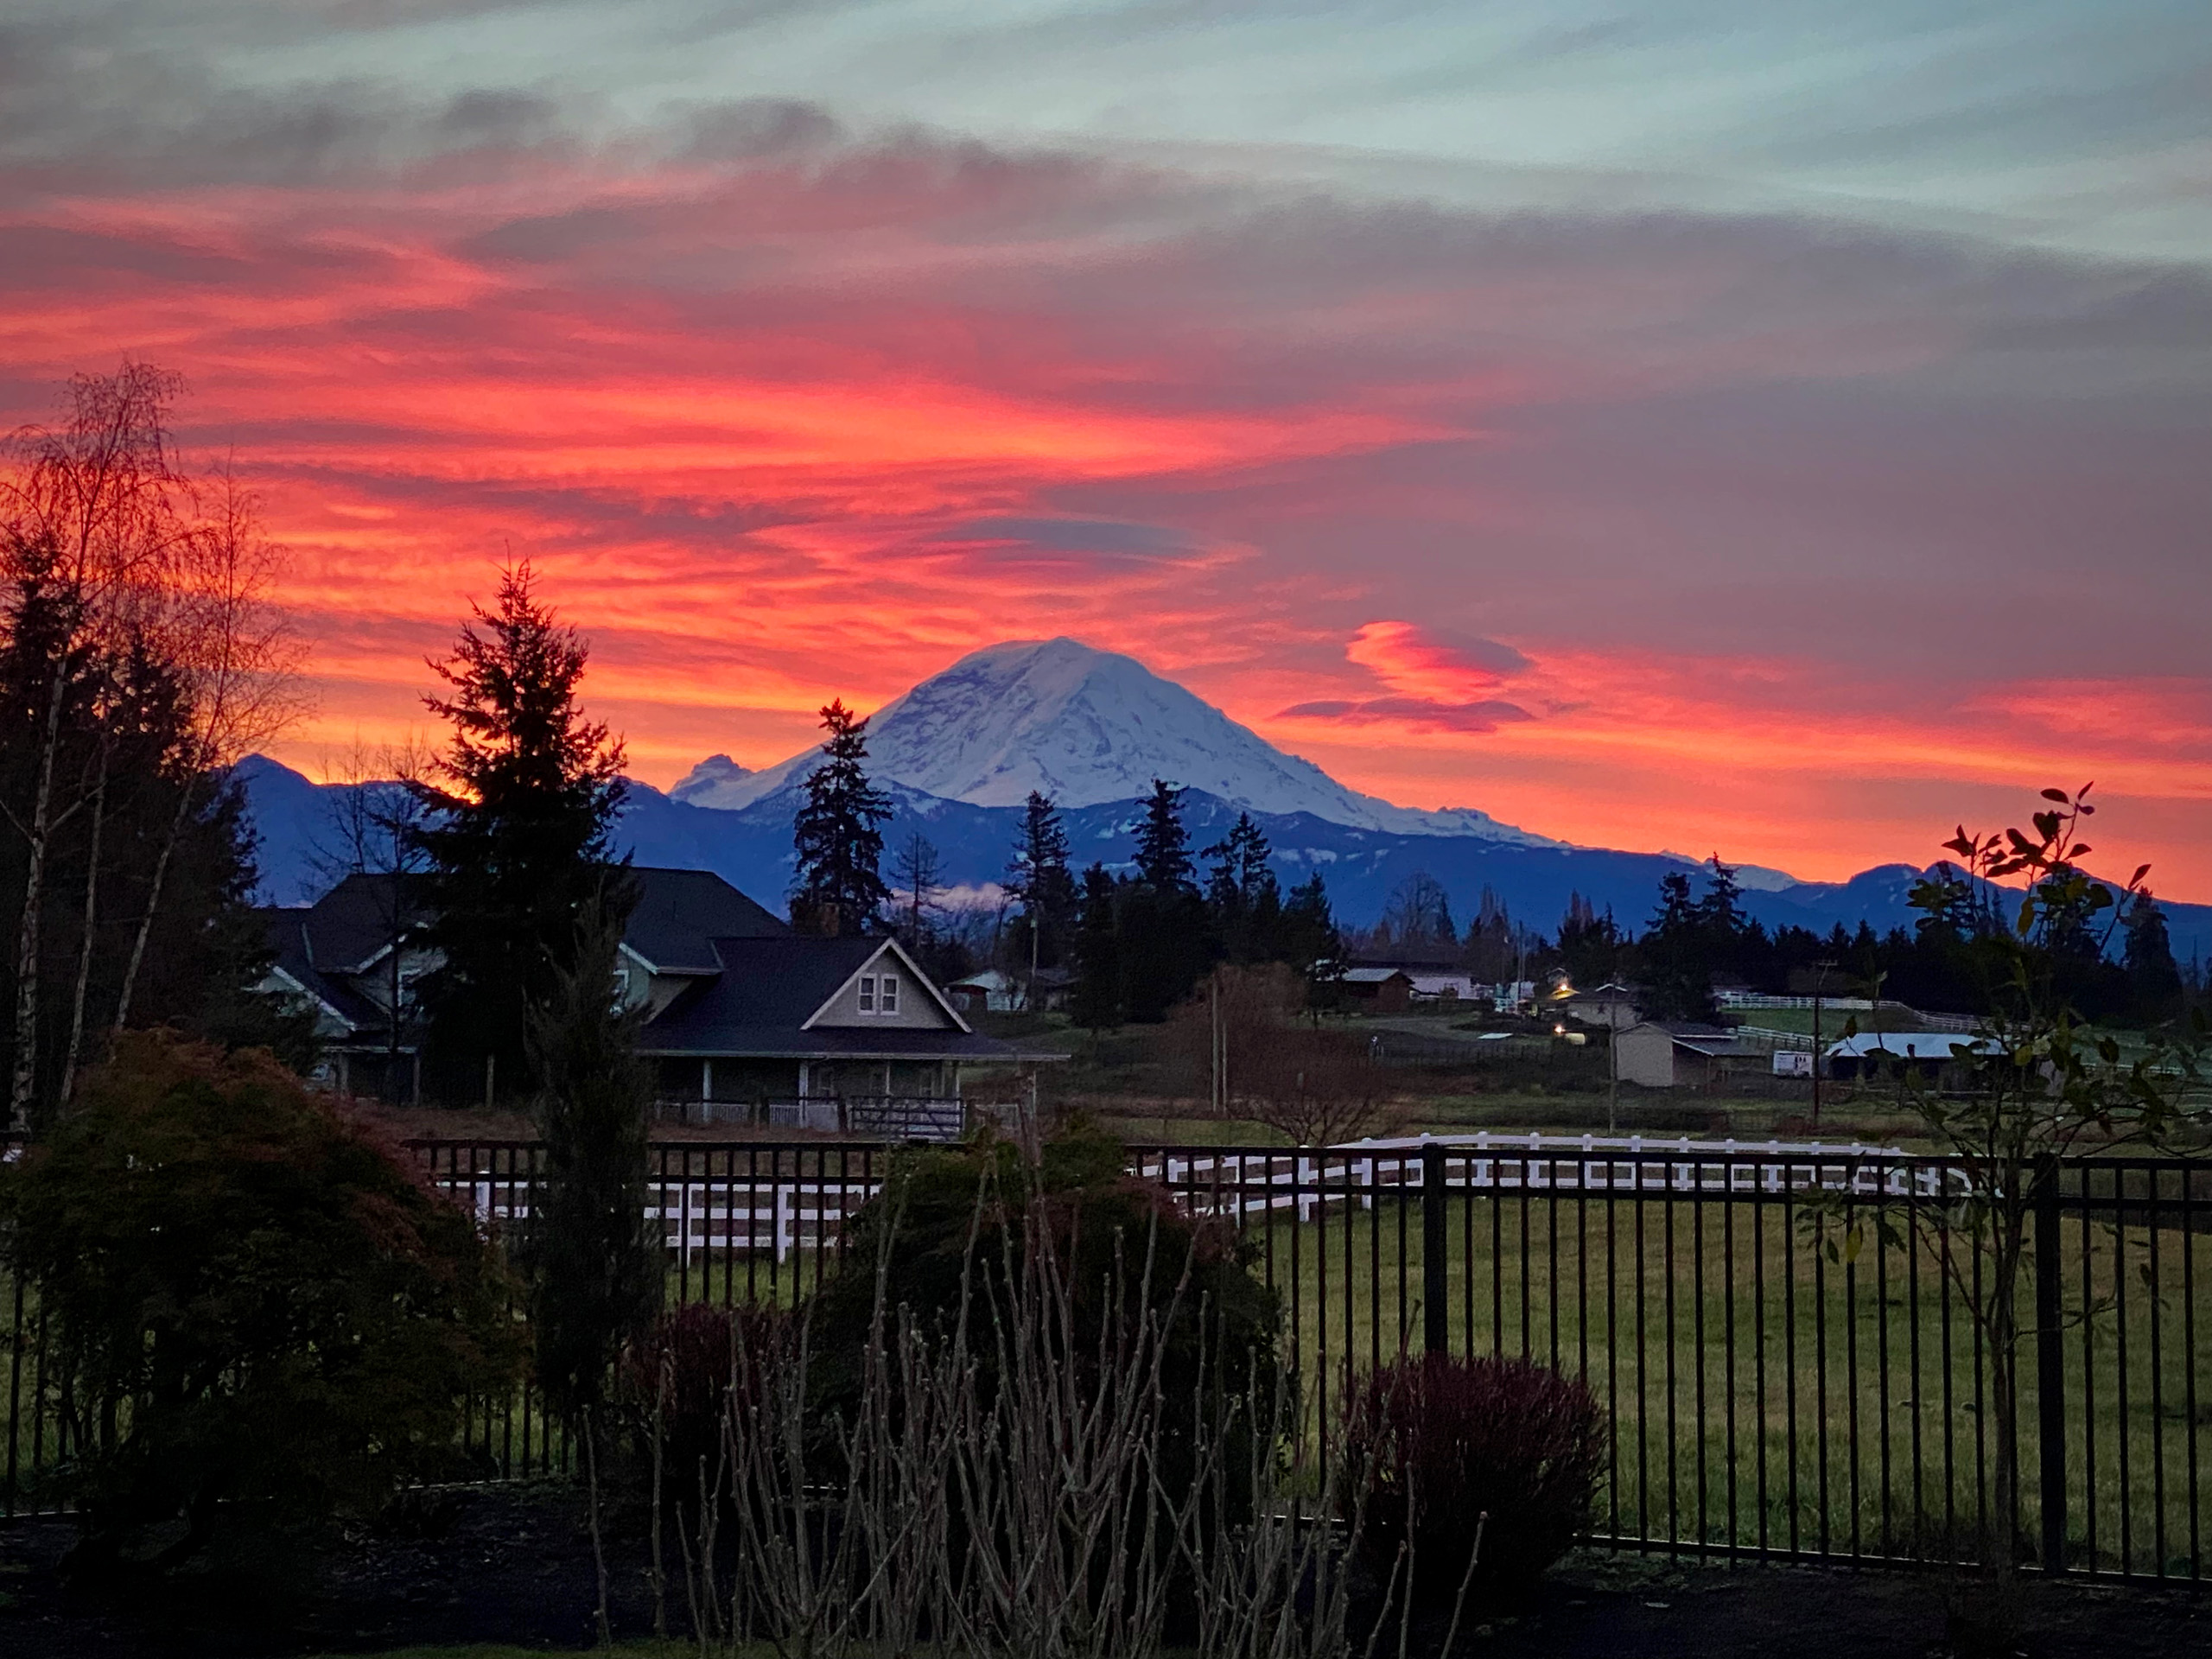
pixel 90 525
pixel 236 654
pixel 373 828
pixel 1317 1087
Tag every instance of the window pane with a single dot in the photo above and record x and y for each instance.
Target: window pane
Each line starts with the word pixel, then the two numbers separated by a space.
pixel 891 994
pixel 868 993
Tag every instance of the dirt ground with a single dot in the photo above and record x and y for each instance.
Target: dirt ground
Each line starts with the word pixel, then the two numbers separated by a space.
pixel 516 1567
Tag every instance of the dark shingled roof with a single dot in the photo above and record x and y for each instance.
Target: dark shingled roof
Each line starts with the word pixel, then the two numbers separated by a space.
pixel 769 988
pixel 353 922
pixel 681 914
pixel 288 933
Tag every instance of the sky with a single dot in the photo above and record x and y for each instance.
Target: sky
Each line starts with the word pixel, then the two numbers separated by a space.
pixel 1775 430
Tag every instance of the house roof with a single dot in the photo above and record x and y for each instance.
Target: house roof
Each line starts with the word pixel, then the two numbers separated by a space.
pixel 1611 991
pixel 1716 1041
pixel 761 1005
pixel 1909 1045
pixel 680 913
pixel 350 926
pixel 1374 976
pixel 289 932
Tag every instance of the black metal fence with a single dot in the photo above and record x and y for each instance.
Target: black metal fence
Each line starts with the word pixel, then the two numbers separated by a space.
pixel 1790 1344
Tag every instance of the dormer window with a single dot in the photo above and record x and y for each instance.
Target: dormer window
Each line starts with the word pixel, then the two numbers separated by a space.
pixel 868 993
pixel 887 995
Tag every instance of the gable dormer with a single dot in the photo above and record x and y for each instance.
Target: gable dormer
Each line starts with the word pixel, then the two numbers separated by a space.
pixel 886 992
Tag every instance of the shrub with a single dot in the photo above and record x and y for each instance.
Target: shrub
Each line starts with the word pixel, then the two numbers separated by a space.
pixel 1439 1441
pixel 675 1381
pixel 954 1218
pixel 254 1308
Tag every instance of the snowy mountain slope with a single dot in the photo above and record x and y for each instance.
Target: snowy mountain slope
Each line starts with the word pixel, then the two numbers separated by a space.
pixel 1084 727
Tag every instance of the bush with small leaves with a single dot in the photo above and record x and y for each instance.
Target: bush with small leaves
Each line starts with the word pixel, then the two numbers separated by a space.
pixel 1440 1441
pixel 255 1309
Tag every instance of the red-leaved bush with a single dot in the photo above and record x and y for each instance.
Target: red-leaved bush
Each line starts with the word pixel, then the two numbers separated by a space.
pixel 678 1378
pixel 1438 1441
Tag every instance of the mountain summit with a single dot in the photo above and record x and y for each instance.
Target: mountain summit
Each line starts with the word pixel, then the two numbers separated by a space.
pixel 1085 727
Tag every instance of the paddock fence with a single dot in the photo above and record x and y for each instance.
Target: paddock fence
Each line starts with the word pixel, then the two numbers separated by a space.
pixel 1789 1341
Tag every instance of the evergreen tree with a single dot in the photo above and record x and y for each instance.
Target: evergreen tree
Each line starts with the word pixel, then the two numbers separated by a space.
pixel 838 835
pixel 1735 943
pixel 1096 1002
pixel 1722 910
pixel 1242 895
pixel 1163 844
pixel 1039 878
pixel 518 836
pixel 1676 969
pixel 1590 945
pixel 1162 937
pixel 2148 956
pixel 591 1251
pixel 1309 941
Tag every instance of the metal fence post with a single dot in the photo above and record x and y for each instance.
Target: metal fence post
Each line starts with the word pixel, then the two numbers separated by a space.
pixel 2050 1369
pixel 1435 1329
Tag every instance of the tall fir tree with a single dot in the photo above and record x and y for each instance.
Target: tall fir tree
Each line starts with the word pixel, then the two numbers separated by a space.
pixel 1096 1000
pixel 1039 877
pixel 838 835
pixel 1675 956
pixel 1163 843
pixel 521 805
pixel 1242 894
pixel 1164 943
pixel 2147 954
pixel 591 1250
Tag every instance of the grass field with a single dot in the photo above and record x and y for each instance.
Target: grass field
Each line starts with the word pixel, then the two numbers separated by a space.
pixel 1762 1394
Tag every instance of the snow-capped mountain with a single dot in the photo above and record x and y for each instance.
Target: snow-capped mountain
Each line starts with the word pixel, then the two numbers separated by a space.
pixel 1085 727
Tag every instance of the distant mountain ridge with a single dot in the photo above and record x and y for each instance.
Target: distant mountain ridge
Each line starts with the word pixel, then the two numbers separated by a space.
pixel 751 847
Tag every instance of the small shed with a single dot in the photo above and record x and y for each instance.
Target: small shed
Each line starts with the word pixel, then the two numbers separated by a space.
pixel 1669 1054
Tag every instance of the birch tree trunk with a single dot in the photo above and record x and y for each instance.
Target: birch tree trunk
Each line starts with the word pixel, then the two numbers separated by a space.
pixel 91 930
pixel 39 832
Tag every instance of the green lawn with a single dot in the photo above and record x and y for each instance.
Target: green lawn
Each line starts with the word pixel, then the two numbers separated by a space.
pixel 1762 1393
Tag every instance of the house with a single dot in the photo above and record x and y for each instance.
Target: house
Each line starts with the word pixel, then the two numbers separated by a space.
pixel 1669 1054
pixel 352 957
pixel 1376 990
pixel 743 1018
pixel 992 992
pixel 1432 985
pixel 1611 1005
pixel 1937 1059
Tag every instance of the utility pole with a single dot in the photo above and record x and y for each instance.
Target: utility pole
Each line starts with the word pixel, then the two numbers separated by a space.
pixel 1613 1066
pixel 1220 1093
pixel 1821 970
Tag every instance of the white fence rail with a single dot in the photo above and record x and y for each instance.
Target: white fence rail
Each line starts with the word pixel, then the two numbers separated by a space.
pixel 712 1215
